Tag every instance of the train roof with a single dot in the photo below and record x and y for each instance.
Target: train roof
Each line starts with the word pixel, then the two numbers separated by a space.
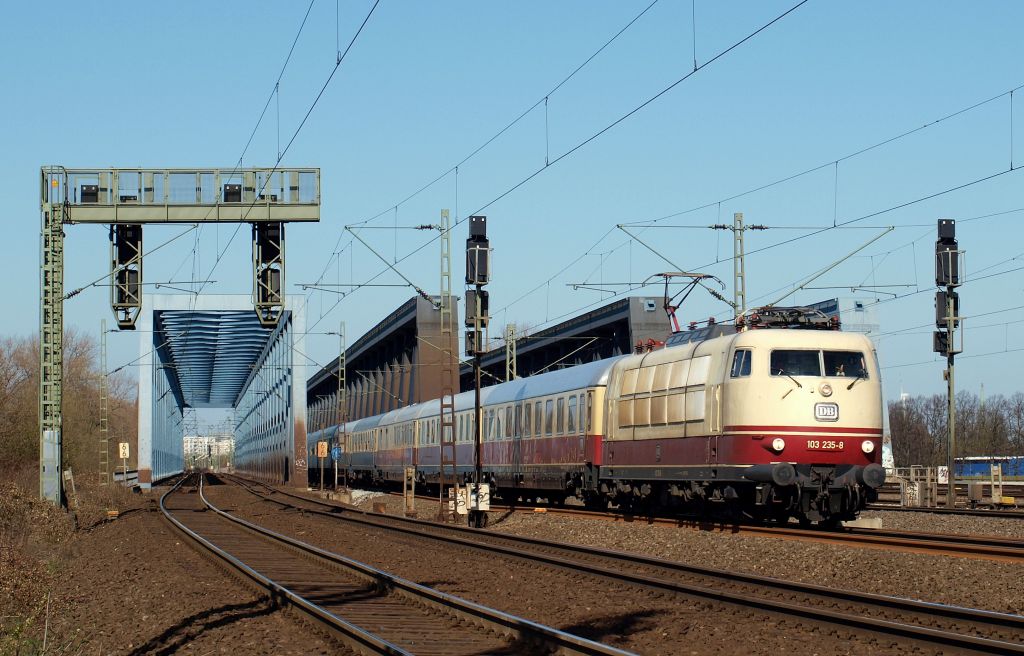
pixel 591 374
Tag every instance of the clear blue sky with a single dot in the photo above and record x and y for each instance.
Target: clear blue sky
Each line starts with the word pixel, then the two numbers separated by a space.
pixel 182 84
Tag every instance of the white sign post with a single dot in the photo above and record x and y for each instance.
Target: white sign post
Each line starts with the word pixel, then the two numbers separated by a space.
pixel 321 453
pixel 123 448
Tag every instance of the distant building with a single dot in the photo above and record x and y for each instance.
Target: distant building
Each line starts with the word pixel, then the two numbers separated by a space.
pixel 217 447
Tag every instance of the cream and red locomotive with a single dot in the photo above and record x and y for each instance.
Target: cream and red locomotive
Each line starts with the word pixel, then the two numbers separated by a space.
pixel 765 423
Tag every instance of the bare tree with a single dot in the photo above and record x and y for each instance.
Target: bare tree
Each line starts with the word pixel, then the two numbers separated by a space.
pixel 19 403
pixel 919 424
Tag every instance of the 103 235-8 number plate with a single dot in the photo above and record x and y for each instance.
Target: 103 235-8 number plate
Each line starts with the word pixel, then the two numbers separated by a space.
pixel 825 445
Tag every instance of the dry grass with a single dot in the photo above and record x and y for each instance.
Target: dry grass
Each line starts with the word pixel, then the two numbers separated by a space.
pixel 37 542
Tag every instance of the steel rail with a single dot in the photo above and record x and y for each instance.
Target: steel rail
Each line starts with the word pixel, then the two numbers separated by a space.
pixel 987 547
pixel 949 544
pixel 363 640
pixel 1010 514
pixel 350 634
pixel 485 541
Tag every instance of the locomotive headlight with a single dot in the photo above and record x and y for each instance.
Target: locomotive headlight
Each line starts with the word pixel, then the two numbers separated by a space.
pixel 825 389
pixel 867 446
pixel 778 444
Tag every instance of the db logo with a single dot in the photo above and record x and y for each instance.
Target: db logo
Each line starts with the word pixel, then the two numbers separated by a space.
pixel 826 411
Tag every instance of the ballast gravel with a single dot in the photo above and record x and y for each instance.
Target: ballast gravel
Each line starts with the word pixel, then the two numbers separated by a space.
pixel 941 579
pixel 617 614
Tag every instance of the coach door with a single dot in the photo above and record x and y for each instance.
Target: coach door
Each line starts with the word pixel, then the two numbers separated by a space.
pixel 517 442
pixel 417 427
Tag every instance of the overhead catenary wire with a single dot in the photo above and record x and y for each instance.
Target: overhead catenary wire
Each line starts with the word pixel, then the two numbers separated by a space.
pixel 274 93
pixel 969 356
pixel 596 135
pixel 302 123
pixel 977 315
pixel 234 171
pixel 588 306
pixel 655 223
pixel 494 137
pixel 835 224
pixel 96 283
pixel 298 129
pixel 836 161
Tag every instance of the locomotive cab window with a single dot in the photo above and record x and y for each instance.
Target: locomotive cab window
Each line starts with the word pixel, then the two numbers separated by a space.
pixel 740 363
pixel 795 363
pixel 845 363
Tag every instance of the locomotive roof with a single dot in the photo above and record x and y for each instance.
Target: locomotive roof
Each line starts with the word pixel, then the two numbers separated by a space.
pixel 802 339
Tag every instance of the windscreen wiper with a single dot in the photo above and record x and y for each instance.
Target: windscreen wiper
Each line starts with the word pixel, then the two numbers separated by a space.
pixel 860 376
pixel 783 372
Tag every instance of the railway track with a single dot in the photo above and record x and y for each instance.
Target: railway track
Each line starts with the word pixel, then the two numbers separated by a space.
pixel 1011 514
pixel 370 611
pixel 965 546
pixel 963 629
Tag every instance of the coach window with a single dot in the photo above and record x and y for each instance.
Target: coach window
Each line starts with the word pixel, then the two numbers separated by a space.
pixel 549 416
pixel 538 419
pixel 508 421
pixel 560 417
pixel 572 415
pixel 527 408
pixel 517 428
pixel 740 363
